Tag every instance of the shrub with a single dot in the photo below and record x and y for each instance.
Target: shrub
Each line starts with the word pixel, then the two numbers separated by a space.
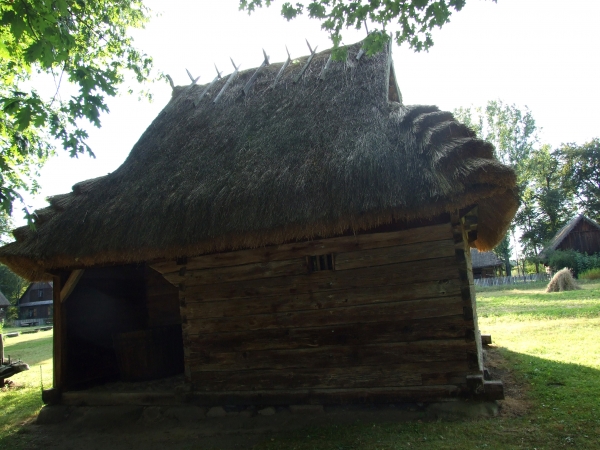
pixel 577 262
pixel 562 281
pixel 590 274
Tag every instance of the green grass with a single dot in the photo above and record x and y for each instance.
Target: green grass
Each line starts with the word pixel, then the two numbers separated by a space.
pixel 19 404
pixel 550 345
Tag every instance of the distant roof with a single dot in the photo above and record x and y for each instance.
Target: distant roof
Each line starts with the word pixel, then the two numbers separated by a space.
pixel 37 285
pixel 484 259
pixel 564 232
pixel 3 300
pixel 286 152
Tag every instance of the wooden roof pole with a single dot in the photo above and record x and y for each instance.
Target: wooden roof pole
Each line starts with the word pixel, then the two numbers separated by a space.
pixel 228 82
pixel 205 91
pixel 285 64
pixel 310 58
pixel 254 76
pixel 194 80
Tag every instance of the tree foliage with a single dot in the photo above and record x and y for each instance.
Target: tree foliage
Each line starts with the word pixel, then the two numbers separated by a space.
pixel 545 200
pixel 79 43
pixel 581 172
pixel 413 20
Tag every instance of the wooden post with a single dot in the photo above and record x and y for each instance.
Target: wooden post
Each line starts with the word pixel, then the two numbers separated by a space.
pixel 60 334
pixel 1 357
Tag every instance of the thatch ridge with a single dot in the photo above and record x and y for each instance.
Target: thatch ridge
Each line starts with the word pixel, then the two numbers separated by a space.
pixel 291 162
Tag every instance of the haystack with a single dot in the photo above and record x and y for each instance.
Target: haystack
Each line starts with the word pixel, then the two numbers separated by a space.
pixel 562 281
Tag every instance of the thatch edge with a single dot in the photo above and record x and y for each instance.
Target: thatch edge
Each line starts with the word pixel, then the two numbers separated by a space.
pixel 488 236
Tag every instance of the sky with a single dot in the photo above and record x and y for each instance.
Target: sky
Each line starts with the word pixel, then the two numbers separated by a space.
pixel 543 54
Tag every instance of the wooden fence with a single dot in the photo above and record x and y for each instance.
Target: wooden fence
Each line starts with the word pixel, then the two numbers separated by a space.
pixel 499 281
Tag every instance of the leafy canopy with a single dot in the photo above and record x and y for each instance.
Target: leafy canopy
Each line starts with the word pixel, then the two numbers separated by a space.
pixel 545 200
pixel 83 44
pixel 581 172
pixel 413 20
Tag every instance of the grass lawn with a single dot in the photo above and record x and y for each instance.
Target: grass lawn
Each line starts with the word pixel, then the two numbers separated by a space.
pixel 22 402
pixel 551 347
pixel 547 344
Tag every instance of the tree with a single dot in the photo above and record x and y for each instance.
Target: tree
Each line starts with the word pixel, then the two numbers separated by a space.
pixel 79 43
pixel 546 203
pixel 514 135
pixel 415 18
pixel 581 172
pixel 503 251
pixel 512 131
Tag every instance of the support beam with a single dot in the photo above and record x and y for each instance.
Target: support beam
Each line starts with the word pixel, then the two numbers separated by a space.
pixel 60 335
pixel 70 284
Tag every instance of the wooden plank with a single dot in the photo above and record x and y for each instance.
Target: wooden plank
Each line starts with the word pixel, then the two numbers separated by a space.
pixel 239 273
pixel 314 247
pixel 195 323
pixel 391 375
pixel 452 327
pixel 397 254
pixel 70 284
pixel 327 396
pixel 344 378
pixel 329 280
pixel 273 397
pixel 324 300
pixel 446 377
pixel 344 261
pixel 332 356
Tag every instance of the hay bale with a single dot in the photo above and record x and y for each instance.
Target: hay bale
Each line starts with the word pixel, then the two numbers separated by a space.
pixel 562 281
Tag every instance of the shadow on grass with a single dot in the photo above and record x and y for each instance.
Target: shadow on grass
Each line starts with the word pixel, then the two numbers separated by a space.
pixel 563 413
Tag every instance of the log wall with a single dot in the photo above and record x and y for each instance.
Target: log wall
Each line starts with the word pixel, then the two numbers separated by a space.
pixel 394 320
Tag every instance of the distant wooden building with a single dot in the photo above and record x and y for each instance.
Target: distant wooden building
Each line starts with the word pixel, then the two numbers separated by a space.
pixel 36 304
pixel 4 305
pixel 581 234
pixel 284 235
pixel 485 264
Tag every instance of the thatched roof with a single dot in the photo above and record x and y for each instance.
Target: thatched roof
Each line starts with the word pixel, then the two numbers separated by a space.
pixel 484 259
pixel 303 158
pixel 564 232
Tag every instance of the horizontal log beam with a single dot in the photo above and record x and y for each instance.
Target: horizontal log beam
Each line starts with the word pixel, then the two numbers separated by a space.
pixel 311 248
pixel 396 254
pixel 341 378
pixel 452 327
pixel 195 322
pixel 329 280
pixel 331 357
pixel 324 300
pixel 327 396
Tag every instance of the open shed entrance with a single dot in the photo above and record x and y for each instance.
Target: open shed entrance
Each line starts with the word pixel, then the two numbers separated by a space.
pixel 122 323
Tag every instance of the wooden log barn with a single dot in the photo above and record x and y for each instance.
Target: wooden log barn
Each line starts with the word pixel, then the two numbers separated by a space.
pixel 282 235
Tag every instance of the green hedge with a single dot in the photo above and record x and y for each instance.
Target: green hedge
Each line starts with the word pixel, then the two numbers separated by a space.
pixel 577 262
